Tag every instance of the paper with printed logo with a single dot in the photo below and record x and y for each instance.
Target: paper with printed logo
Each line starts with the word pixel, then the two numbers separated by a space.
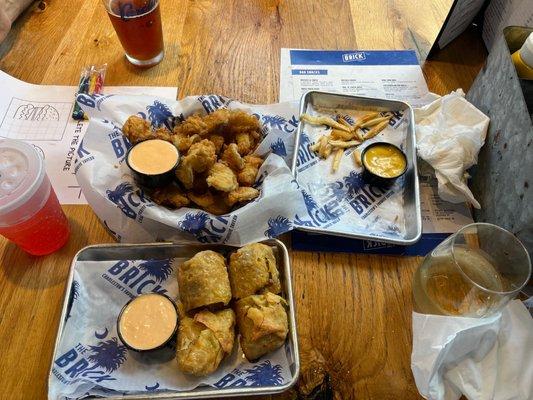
pixel 90 359
pixel 131 216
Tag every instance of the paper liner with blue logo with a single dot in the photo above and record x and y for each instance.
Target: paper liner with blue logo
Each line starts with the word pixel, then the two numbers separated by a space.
pixel 131 216
pixel 90 359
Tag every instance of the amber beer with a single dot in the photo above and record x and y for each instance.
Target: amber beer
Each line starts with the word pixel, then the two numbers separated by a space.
pixel 138 26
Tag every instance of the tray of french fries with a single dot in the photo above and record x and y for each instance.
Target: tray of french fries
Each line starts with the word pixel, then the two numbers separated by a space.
pixel 333 132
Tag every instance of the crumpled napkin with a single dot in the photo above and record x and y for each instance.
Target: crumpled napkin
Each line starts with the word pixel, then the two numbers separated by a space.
pixel 449 133
pixel 481 358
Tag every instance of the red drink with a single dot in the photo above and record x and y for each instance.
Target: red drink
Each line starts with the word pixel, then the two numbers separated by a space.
pixel 138 26
pixel 30 214
pixel 44 233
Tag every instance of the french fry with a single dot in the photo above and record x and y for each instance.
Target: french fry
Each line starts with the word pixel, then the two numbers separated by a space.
pixel 358 135
pixel 344 145
pixel 327 150
pixel 357 158
pixel 376 129
pixel 322 148
pixel 337 134
pixel 323 120
pixel 337 159
pixel 365 118
pixel 314 147
pixel 374 121
pixel 344 122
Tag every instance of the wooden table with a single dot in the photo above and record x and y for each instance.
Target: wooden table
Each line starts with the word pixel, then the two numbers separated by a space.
pixel 353 310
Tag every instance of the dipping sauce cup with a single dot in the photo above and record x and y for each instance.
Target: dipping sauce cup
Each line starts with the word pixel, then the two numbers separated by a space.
pixel 383 163
pixel 153 162
pixel 147 322
pixel 30 214
pixel 138 27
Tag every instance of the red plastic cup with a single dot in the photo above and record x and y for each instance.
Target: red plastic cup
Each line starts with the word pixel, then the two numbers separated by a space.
pixel 30 214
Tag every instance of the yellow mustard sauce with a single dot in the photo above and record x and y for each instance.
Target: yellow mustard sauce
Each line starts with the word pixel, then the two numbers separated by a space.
pixel 384 160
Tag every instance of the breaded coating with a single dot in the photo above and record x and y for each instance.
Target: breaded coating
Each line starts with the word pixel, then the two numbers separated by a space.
pixel 247 176
pixel 170 196
pixel 184 142
pixel 222 323
pixel 198 350
pixel 202 200
pixel 203 281
pixel 212 203
pixel 253 269
pixel 222 178
pixel 241 194
pixel 263 324
pixel 217 121
pixel 163 134
pixel 137 129
pixel 185 174
pixel 201 156
pixel 218 141
pixel 241 121
pixel 195 124
pixel 245 143
pixel 232 157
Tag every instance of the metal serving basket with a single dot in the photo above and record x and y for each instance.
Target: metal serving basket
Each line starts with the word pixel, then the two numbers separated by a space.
pixel 411 193
pixel 106 252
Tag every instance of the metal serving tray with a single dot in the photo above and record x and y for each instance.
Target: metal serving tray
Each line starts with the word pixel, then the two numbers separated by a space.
pixel 169 250
pixel 411 197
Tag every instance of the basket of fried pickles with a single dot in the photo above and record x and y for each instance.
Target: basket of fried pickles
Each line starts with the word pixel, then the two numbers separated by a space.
pixel 157 169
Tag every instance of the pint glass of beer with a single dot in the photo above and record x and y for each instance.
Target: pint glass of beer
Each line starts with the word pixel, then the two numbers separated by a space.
pixel 138 26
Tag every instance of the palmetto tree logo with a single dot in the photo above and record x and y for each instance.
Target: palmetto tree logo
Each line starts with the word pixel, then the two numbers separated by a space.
pixel 354 181
pixel 158 269
pixel 277 226
pixel 159 114
pixel 278 147
pixel 118 195
pixel 274 121
pixel 73 295
pixel 338 190
pixel 197 225
pixel 265 374
pixel 108 355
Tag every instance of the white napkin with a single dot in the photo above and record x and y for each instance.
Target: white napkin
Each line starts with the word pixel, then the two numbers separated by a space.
pixel 481 358
pixel 449 133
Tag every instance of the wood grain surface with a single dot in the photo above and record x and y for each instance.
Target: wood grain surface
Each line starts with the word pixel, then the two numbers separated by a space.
pixel 353 311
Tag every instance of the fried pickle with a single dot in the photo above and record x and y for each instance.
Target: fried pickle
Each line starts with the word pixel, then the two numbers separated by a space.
pixel 201 156
pixel 137 129
pixel 232 157
pixel 163 134
pixel 241 194
pixel 184 142
pixel 193 125
pixel 222 178
pixel 213 203
pixel 218 141
pixel 247 176
pixel 185 174
pixel 170 196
